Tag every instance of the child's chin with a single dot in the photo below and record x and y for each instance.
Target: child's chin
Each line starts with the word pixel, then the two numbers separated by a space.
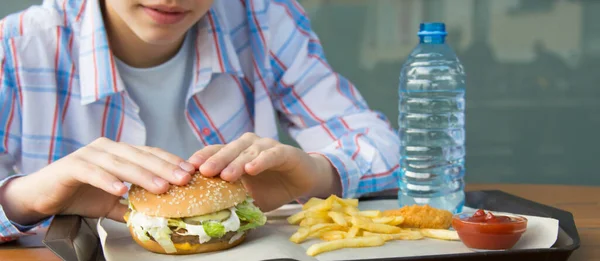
pixel 160 37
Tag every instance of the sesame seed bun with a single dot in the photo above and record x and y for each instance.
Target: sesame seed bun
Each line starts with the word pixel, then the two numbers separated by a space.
pixel 153 246
pixel 200 196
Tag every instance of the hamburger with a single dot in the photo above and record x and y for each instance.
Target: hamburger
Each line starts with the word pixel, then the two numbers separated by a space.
pixel 207 214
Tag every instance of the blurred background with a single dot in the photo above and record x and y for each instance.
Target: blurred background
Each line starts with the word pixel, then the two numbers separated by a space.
pixel 533 66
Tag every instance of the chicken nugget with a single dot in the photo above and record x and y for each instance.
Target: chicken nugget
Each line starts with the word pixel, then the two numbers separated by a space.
pixel 416 216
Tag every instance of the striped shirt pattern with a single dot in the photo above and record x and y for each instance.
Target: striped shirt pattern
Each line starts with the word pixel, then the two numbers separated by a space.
pixel 257 65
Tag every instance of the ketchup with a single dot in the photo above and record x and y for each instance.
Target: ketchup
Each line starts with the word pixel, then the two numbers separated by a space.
pixel 481 217
pixel 483 230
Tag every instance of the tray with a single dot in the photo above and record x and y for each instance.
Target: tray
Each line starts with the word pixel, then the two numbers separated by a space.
pixel 567 241
pixel 65 230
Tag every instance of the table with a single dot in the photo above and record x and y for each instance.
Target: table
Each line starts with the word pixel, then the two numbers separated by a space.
pixel 582 201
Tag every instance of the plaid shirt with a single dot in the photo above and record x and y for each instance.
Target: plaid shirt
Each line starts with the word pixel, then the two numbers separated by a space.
pixel 257 63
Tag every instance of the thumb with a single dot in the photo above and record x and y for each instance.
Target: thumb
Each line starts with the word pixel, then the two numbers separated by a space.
pixel 248 184
pixel 117 212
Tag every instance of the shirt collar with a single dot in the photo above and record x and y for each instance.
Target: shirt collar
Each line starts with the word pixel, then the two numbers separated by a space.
pixel 99 78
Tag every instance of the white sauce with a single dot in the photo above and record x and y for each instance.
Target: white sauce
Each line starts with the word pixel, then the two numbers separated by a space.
pixel 233 222
pixel 146 222
pixel 196 231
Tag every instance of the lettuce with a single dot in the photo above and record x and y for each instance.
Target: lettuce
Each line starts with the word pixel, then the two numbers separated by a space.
pixel 249 226
pixel 176 223
pixel 214 229
pixel 140 233
pixel 251 214
pixel 162 235
pixel 129 212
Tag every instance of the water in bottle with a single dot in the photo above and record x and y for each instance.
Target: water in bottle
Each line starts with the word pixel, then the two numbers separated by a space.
pixel 432 124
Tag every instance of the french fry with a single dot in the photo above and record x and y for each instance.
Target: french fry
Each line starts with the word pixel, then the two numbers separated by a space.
pixel 319 229
pixel 353 232
pixel 404 235
pixel 370 213
pixel 296 218
pixel 333 235
pixel 337 207
pixel 300 235
pixel 330 237
pixel 312 202
pixel 330 226
pixel 347 218
pixel 309 221
pixel 317 214
pixel 338 218
pixel 379 228
pixel 323 205
pixel 351 211
pixel 349 202
pixel 336 232
pixel 398 220
pixel 443 234
pixel 316 233
pixel 384 220
pixel 344 243
pixel 357 220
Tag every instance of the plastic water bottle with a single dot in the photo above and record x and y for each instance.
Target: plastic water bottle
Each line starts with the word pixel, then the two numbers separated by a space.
pixel 432 124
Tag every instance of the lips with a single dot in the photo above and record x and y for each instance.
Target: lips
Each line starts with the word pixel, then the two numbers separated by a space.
pixel 165 14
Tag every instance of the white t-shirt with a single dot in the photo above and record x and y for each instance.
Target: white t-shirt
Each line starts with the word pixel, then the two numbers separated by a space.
pixel 160 92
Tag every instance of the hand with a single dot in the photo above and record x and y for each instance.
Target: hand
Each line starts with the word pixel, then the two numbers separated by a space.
pixel 89 182
pixel 274 173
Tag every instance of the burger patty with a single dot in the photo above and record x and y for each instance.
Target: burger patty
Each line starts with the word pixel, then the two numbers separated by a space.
pixel 179 239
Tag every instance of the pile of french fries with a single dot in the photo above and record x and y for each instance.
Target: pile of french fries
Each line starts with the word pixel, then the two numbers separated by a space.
pixel 341 224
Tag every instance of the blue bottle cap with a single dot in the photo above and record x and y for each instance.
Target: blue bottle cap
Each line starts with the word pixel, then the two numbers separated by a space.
pixel 432 29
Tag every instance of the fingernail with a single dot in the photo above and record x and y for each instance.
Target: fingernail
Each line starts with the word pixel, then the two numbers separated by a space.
pixel 118 185
pixel 186 166
pixel 227 171
pixel 159 182
pixel 209 165
pixel 250 164
pixel 196 160
pixel 180 174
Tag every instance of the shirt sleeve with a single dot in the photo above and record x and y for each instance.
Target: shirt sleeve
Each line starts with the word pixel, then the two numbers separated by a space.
pixel 10 134
pixel 323 111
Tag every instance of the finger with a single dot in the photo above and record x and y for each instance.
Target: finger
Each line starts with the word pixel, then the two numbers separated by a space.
pixel 117 212
pixel 96 176
pixel 268 159
pixel 125 170
pixel 178 177
pixel 235 169
pixel 171 158
pixel 128 155
pixel 217 162
pixel 200 156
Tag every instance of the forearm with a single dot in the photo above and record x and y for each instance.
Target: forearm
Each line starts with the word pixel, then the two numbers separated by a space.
pixel 13 199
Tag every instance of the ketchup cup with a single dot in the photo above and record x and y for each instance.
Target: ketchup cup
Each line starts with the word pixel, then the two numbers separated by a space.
pixel 483 231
